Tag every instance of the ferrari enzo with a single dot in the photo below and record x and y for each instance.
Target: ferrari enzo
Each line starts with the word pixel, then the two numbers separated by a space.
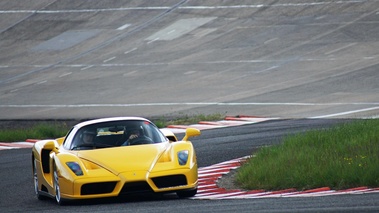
pixel 113 157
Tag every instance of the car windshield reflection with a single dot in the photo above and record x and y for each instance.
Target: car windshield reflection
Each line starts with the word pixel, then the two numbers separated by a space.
pixel 116 134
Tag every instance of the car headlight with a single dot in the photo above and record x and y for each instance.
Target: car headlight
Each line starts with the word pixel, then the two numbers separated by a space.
pixel 74 166
pixel 183 157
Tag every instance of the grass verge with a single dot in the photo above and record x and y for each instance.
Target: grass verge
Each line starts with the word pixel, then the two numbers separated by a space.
pixel 342 157
pixel 59 129
pixel 187 119
pixel 40 131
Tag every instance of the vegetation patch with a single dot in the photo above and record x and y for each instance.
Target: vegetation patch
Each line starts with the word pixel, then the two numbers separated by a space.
pixel 342 157
pixel 39 131
pixel 187 119
pixel 55 129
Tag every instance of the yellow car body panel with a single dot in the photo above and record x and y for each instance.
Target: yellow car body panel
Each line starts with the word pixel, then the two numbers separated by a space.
pixel 114 171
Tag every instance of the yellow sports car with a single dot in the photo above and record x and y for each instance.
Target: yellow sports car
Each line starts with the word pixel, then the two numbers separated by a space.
pixel 112 157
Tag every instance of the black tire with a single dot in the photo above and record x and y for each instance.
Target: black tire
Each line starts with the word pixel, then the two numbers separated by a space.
pixel 186 193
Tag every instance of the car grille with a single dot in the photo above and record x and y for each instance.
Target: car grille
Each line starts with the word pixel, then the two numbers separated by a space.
pixel 97 188
pixel 170 181
pixel 136 187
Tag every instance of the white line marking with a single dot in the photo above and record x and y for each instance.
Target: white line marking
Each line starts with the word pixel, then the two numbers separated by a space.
pixel 130 50
pixel 65 74
pixel 170 63
pixel 123 27
pixel 341 48
pixel 87 67
pixel 320 17
pixel 172 31
pixel 130 73
pixel 254 72
pixel 68 65
pixel 41 82
pixel 273 5
pixel 270 40
pixel 346 113
pixel 268 69
pixel 24 143
pixel 7 147
pixel 83 10
pixel 156 39
pixel 182 8
pixel 199 104
pixel 109 59
pixel 190 72
pixel 195 104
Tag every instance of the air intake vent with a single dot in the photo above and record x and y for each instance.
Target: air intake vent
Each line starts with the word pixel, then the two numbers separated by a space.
pixel 97 188
pixel 170 181
pixel 136 187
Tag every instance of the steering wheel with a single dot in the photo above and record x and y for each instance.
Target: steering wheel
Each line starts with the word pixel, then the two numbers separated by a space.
pixel 139 140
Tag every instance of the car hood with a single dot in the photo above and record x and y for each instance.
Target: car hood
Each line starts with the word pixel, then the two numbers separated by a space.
pixel 125 159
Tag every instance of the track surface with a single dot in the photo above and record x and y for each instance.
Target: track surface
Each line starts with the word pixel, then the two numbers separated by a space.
pixel 63 59
pixel 213 146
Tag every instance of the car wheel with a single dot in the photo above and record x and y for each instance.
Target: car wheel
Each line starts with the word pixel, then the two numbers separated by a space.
pixel 187 193
pixel 35 179
pixel 57 189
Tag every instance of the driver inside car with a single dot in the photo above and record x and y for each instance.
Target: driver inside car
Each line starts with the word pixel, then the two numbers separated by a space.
pixel 88 137
pixel 87 140
pixel 134 133
pixel 136 136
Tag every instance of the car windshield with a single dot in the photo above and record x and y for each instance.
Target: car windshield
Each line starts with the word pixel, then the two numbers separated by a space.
pixel 116 133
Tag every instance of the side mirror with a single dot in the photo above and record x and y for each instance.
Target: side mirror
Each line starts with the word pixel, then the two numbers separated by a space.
pixel 50 146
pixel 191 132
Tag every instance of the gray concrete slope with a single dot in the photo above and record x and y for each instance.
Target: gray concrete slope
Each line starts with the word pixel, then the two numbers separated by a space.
pixel 288 59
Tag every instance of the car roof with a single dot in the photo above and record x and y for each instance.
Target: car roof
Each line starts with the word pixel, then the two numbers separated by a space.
pixel 101 120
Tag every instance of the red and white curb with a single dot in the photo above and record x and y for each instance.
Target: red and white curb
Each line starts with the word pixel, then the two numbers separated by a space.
pixel 227 122
pixel 209 176
pixel 209 190
pixel 17 145
pixel 202 125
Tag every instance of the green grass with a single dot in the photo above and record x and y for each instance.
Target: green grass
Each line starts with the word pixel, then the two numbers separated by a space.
pixel 187 119
pixel 342 157
pixel 56 130
pixel 40 131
